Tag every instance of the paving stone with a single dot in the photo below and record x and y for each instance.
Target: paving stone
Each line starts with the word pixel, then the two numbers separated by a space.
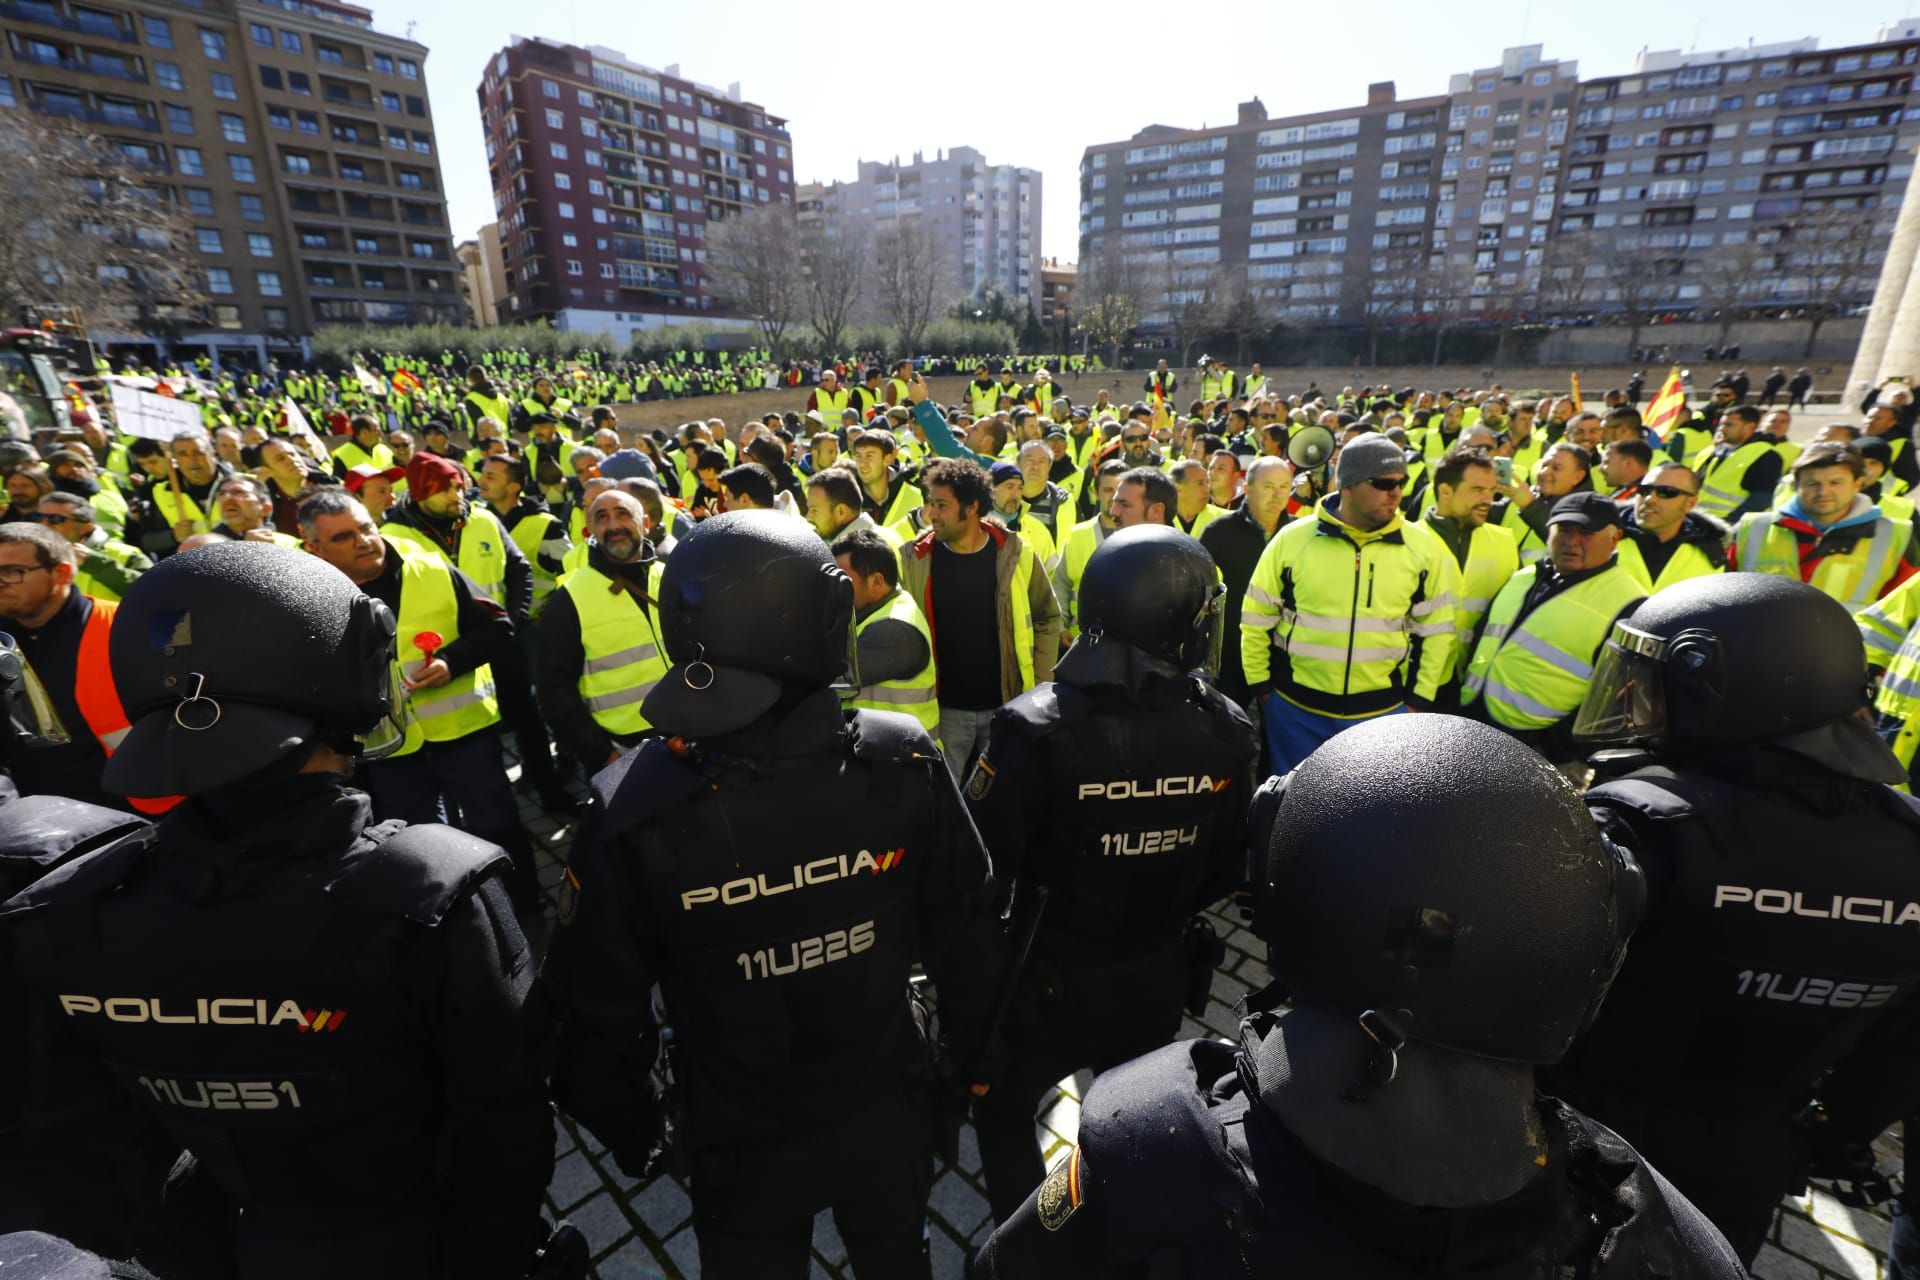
pixel 685 1252
pixel 574 1179
pixel 955 1201
pixel 949 1259
pixel 826 1239
pixel 1804 1238
pixel 663 1206
pixel 1868 1228
pixel 601 1221
pixel 632 1262
pixel 1775 1265
pixel 969 1151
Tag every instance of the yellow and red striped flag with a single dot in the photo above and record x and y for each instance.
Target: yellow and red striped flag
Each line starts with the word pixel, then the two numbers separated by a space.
pixel 1577 406
pixel 1669 407
pixel 405 383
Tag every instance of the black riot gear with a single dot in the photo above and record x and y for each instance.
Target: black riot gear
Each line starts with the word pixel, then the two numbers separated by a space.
pixel 776 866
pixel 751 604
pixel 1150 603
pixel 1483 946
pixel 1779 960
pixel 328 1014
pixel 1731 659
pixel 1333 1142
pixel 1127 803
pixel 231 656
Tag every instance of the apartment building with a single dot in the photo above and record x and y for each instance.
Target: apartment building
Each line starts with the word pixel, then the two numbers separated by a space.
pixel 297 139
pixel 606 176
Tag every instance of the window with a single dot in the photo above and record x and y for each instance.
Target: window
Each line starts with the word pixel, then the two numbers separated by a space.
pixel 269 282
pixel 308 123
pixel 219 280
pixel 558 150
pixel 291 42
pixel 556 118
pixel 159 32
pixel 590 128
pixel 232 127
pixel 563 181
pixel 190 161
pixel 410 70
pixel 573 267
pixel 213 44
pixel 279 118
pixel 261 34
pixel 200 201
pixel 383 63
pixel 253 208
pixel 365 244
pixel 6 92
pixel 223 86
pixel 168 75
pixel 566 209
pixel 179 120
pixel 240 168
pixel 423 143
pixel 1543 77
pixel 293 162
pixel 209 240
pixel 270 78
pixel 595 187
pixel 328 55
pixel 549 88
pixel 606 271
pixel 259 245
pixel 416 106
pixel 390 102
pixel 567 241
pixel 353 171
pixel 410 180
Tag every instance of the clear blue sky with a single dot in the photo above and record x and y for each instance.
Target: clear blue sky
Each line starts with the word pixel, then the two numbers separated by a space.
pixel 865 80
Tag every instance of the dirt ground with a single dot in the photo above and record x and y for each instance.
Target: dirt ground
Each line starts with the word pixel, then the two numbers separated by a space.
pixel 1594 382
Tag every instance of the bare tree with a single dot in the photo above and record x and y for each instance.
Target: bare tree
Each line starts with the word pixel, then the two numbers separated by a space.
pixel 1731 279
pixel 1641 279
pixel 1196 308
pixel 836 270
pixel 1392 292
pixel 755 259
pixel 911 277
pixel 1572 278
pixel 1115 290
pixel 1245 315
pixel 1830 258
pixel 1446 285
pixel 79 229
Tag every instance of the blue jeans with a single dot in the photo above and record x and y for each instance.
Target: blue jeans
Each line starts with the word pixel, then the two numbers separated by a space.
pixel 1294 733
pixel 462 783
pixel 963 735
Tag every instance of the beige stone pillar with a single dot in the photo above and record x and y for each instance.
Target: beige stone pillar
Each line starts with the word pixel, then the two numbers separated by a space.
pixel 1890 340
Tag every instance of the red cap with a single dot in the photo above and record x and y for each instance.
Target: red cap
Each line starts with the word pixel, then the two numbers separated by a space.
pixel 358 476
pixel 429 473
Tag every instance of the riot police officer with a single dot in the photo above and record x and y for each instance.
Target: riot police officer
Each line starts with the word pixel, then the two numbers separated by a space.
pixel 1782 875
pixel 328 1014
pixel 1444 916
pixel 776 864
pixel 90 1170
pixel 1121 790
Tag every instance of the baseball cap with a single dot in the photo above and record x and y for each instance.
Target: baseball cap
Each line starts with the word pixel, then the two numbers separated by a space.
pixel 1589 511
pixel 1004 471
pixel 358 476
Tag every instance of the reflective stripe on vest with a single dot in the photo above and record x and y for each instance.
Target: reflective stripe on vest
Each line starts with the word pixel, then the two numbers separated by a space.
pixel 1687 561
pixel 916 695
pixel 1723 480
pixel 529 535
pixel 499 408
pixel 1537 673
pixel 1854 579
pixel 465 704
pixel 831 404
pixel 623 659
pixel 483 550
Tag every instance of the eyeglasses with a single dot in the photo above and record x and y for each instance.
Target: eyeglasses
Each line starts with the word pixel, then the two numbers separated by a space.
pixel 1388 484
pixel 1666 491
pixel 12 575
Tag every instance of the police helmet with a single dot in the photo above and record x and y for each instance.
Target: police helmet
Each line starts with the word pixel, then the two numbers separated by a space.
pixel 1150 604
pixel 231 656
pixel 1735 659
pixel 751 605
pixel 1442 883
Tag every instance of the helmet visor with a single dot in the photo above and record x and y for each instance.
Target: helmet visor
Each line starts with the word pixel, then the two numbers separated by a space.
pixel 31 716
pixel 1209 635
pixel 1627 702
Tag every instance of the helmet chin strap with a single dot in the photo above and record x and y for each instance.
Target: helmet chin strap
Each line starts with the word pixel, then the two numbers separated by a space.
pixel 1426 1126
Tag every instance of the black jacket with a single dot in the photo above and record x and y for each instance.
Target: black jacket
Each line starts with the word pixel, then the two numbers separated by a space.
pixel 1235 542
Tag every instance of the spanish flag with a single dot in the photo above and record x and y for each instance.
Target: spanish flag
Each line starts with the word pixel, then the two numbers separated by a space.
pixel 404 382
pixel 1669 408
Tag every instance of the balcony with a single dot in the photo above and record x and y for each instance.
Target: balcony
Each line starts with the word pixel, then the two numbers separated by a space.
pixel 72 110
pixel 50 16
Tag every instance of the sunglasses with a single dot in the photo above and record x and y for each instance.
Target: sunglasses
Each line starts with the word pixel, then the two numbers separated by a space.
pixel 1135 439
pixel 1666 491
pixel 1388 484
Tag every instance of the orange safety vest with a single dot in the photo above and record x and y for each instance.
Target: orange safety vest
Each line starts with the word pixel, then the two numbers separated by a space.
pixel 99 701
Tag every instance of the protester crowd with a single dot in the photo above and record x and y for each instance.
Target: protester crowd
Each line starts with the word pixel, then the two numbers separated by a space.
pixel 1381 549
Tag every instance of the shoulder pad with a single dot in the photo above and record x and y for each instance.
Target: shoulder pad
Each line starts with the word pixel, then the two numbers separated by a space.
pixel 1044 708
pixel 1651 1229
pixel 1655 793
pixel 39 833
pixel 419 872
pixel 641 785
pixel 1151 1140
pixel 1224 707
pixel 889 737
pixel 97 871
